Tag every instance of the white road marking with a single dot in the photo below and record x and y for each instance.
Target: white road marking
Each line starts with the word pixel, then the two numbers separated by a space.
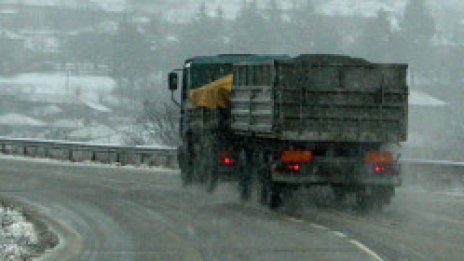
pixel 339 234
pixel 318 226
pixel 364 248
pixel 295 220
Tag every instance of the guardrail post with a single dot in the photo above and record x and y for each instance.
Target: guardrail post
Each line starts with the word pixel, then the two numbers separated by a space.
pixel 118 157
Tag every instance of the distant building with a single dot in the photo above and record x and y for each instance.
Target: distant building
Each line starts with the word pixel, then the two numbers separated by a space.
pixel 15 124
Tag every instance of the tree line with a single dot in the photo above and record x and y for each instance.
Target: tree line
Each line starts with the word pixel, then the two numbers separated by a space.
pixel 136 51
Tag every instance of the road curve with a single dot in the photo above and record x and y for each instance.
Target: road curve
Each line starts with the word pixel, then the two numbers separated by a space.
pixel 109 213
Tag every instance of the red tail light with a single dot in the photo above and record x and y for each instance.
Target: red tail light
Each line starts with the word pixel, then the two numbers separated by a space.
pixel 300 156
pixel 379 169
pixel 228 161
pixel 225 158
pixel 379 157
pixel 294 167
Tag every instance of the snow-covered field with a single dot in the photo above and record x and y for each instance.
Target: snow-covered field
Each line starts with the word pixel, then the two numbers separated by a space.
pixel 18 237
pixel 90 86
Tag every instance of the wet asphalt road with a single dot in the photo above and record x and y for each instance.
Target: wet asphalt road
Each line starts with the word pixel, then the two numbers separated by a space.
pixel 110 213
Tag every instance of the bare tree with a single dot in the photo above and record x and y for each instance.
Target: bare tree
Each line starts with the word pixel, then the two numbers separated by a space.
pixel 158 123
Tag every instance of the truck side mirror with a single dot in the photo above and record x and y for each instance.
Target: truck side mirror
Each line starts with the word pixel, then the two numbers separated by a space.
pixel 173 81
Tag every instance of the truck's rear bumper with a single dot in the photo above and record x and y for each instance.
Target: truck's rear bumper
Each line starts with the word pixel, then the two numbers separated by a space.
pixel 390 180
pixel 350 171
pixel 228 173
pixel 312 177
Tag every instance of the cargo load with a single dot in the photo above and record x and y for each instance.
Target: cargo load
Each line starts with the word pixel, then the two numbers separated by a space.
pixel 213 95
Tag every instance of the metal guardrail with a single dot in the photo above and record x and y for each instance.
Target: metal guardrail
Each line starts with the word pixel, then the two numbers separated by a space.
pixel 445 163
pixel 80 152
pixel 441 173
pixel 413 170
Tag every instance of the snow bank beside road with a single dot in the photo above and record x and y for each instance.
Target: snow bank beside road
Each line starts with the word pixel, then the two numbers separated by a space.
pixel 20 239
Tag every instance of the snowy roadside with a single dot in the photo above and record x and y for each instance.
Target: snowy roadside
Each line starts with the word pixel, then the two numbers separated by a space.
pixel 19 238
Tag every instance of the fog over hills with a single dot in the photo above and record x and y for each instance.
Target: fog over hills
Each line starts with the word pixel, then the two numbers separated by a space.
pixel 231 7
pixel 341 7
pixel 445 12
pixel 183 10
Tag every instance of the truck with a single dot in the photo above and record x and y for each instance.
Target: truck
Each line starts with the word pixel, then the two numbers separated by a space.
pixel 275 124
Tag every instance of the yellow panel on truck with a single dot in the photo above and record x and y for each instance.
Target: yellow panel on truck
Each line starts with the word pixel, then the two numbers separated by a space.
pixel 212 95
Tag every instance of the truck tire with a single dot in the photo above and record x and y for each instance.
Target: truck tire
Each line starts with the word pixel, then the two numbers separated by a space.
pixel 211 159
pixel 374 197
pixel 263 188
pixel 211 170
pixel 276 200
pixel 365 202
pixel 269 193
pixel 245 183
pixel 186 174
pixel 263 194
pixel 339 194
pixel 205 166
pixel 384 194
pixel 198 168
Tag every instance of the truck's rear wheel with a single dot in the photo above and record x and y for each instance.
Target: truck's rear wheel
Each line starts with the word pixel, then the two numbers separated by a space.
pixel 374 197
pixel 339 194
pixel 245 183
pixel 211 174
pixel 276 196
pixel 269 193
pixel 384 194
pixel 365 202
pixel 264 190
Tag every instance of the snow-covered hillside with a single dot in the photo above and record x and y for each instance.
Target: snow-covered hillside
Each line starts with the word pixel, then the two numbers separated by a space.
pixel 58 84
pixel 332 7
pixel 231 7
pixel 108 5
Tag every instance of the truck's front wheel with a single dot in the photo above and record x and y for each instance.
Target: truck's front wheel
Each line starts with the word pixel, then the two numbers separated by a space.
pixel 186 171
pixel 205 167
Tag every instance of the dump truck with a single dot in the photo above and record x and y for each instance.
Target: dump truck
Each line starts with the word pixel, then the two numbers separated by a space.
pixel 275 123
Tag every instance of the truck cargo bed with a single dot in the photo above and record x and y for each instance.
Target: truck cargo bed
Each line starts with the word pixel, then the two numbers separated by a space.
pixel 337 99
